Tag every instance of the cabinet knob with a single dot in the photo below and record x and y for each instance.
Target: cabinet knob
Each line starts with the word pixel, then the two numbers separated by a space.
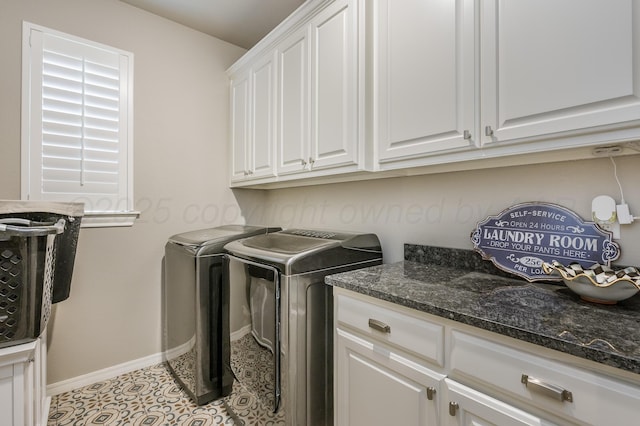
pixel 488 131
pixel 303 162
pixel 467 134
pixel 453 408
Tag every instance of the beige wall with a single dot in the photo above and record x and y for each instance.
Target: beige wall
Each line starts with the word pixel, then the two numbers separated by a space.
pixel 180 133
pixel 181 110
pixel 443 209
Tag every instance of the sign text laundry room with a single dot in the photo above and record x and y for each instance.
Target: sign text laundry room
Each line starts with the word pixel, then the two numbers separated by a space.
pixel 522 237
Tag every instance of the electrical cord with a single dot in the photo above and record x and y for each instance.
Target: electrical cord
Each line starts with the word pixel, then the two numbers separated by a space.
pixel 615 174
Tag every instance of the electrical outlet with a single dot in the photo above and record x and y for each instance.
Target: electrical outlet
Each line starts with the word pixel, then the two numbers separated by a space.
pixel 614 228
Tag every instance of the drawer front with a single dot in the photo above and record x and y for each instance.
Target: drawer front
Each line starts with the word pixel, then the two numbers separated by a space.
pixel 408 332
pixel 557 388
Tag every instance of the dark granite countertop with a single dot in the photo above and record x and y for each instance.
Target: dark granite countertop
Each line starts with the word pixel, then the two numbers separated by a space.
pixel 545 314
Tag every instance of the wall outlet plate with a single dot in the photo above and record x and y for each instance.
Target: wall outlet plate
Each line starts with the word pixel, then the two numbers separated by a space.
pixel 614 228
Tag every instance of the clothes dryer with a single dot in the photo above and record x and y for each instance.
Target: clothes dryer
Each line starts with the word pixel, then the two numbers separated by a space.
pixel 194 309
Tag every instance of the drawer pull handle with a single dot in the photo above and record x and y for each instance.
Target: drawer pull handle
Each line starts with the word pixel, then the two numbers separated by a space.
pixel 548 389
pixel 431 391
pixel 379 325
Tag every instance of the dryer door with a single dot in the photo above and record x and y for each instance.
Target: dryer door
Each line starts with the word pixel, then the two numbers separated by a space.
pixel 254 322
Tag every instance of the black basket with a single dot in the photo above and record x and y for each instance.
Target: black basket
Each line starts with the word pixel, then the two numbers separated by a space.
pixel 27 266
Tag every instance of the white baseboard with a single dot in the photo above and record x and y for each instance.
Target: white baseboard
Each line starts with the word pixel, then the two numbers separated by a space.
pixel 180 350
pixel 136 364
pixel 104 374
pixel 239 334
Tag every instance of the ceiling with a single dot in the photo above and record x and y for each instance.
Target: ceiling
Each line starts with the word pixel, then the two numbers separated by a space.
pixel 240 22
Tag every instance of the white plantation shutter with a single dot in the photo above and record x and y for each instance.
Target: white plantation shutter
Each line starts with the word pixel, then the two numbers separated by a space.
pixel 79 133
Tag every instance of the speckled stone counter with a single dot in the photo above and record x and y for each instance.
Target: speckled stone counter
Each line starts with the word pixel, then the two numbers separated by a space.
pixel 460 286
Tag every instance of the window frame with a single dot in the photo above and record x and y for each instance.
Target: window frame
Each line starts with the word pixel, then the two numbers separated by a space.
pixel 122 212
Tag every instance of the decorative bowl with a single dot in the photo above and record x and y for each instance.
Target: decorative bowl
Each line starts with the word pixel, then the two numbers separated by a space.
pixel 598 283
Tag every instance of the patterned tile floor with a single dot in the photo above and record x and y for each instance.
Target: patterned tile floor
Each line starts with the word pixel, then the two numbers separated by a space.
pixel 147 397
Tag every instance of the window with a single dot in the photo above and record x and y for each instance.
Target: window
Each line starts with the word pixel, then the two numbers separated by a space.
pixel 77 125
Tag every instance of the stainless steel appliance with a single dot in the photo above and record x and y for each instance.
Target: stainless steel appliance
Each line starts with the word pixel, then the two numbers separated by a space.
pixel 281 319
pixel 194 312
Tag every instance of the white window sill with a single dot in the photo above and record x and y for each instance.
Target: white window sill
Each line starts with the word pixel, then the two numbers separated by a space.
pixel 108 219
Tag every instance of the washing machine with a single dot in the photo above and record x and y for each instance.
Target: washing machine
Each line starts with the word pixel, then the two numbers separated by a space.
pixel 281 321
pixel 194 308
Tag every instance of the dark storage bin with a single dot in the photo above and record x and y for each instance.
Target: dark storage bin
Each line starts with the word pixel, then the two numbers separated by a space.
pixel 37 250
pixel 65 244
pixel 27 259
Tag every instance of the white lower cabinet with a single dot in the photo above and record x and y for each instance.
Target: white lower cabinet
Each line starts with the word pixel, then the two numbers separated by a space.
pixel 379 385
pixel 386 366
pixel 395 365
pixel 466 406
pixel 574 394
pixel 23 400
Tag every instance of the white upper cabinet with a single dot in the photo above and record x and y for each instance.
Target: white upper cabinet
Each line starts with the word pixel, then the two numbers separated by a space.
pixel 345 86
pixel 334 94
pixel 318 104
pixel 239 126
pixel 423 77
pixel 293 104
pixel 466 80
pixel 295 98
pixel 549 66
pixel 263 75
pixel 253 126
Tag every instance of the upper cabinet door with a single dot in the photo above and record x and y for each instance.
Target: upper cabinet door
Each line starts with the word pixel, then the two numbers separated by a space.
pixel 293 102
pixel 423 77
pixel 240 121
pixel 551 66
pixel 334 92
pixel 263 132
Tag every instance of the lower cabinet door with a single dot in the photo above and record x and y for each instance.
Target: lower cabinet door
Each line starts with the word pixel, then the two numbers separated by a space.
pixel 16 385
pixel 7 400
pixel 463 406
pixel 377 385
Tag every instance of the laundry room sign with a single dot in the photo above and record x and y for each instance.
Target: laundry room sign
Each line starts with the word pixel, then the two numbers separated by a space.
pixel 522 237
